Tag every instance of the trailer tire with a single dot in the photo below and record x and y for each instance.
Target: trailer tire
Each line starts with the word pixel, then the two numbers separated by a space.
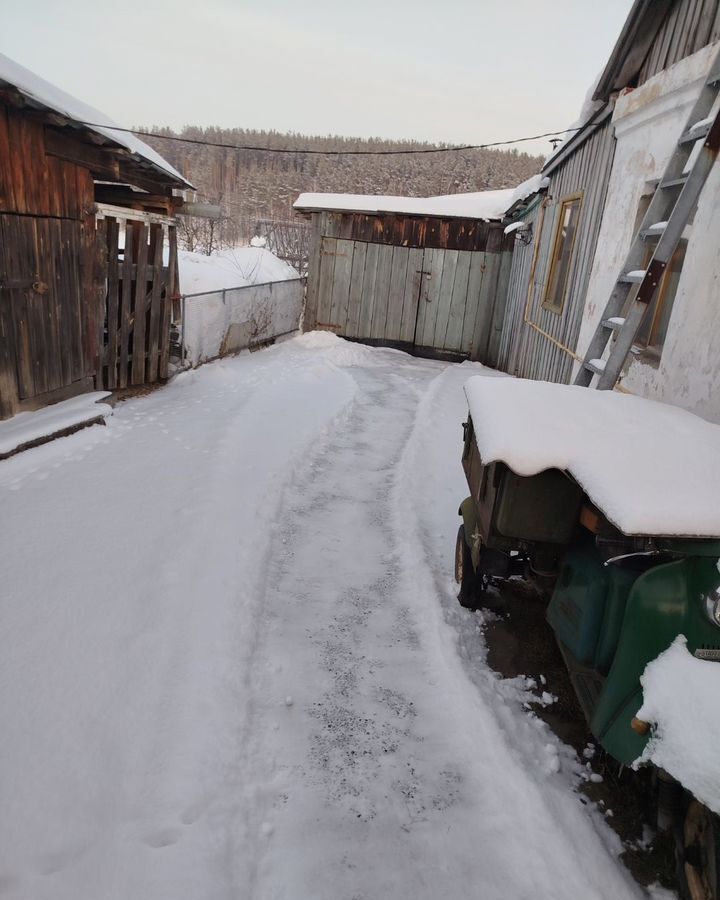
pixel 470 582
pixel 700 862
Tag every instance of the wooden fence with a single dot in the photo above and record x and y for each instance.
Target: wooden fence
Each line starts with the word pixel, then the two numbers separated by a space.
pixel 142 282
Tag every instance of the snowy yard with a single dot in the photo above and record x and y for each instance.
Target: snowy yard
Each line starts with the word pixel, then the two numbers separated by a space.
pixel 233 664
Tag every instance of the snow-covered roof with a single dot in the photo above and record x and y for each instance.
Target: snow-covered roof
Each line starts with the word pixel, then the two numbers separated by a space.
pixel 650 467
pixel 533 184
pixel 43 93
pixel 480 205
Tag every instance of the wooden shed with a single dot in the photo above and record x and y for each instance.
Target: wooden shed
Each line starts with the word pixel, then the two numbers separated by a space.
pixel 88 257
pixel 428 275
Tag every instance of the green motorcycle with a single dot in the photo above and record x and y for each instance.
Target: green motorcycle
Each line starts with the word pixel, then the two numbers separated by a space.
pixel 578 492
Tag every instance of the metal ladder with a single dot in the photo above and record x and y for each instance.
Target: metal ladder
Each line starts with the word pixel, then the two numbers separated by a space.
pixel 670 209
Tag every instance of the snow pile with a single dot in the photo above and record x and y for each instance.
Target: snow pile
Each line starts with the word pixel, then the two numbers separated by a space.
pixel 30 427
pixel 227 269
pixel 51 97
pixel 343 353
pixel 650 467
pixel 480 205
pixel 680 695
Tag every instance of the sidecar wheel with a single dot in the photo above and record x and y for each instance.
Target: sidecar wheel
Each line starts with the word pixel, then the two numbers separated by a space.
pixel 701 853
pixel 471 584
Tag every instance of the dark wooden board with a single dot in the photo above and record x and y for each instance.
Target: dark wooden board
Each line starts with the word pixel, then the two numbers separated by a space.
pixel 126 303
pixel 139 313
pixel 171 290
pixel 113 284
pixel 155 315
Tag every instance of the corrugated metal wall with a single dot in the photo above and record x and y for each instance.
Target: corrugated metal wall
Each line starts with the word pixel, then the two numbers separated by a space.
pixel 523 256
pixel 689 26
pixel 524 350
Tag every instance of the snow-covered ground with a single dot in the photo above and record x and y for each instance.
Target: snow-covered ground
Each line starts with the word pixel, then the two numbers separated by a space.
pixel 232 665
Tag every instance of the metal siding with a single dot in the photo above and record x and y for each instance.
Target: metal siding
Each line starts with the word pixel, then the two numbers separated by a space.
pixel 516 298
pixel 523 351
pixel 689 26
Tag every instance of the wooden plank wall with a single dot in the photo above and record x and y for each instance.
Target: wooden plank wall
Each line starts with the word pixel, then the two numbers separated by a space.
pixel 140 291
pixel 32 182
pixel 49 274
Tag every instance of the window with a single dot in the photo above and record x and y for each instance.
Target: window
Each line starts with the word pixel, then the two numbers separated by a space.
pixel 562 253
pixel 651 334
pixel 653 330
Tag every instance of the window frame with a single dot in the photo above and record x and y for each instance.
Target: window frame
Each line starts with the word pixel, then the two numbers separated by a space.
pixel 650 350
pixel 547 304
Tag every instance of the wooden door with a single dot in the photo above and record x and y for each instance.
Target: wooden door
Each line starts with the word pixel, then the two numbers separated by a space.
pixel 368 291
pixel 47 332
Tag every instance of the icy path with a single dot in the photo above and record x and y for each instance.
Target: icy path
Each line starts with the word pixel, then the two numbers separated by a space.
pixel 232 665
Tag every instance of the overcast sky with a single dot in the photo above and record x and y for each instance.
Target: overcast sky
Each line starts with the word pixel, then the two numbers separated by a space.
pixel 467 71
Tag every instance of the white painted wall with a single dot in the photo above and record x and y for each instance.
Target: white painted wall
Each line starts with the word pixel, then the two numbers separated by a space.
pixel 228 321
pixel 648 122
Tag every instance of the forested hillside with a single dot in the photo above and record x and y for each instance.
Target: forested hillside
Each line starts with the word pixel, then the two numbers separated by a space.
pixel 251 185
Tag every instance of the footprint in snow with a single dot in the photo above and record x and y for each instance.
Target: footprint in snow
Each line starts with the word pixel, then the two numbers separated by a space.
pixel 165 837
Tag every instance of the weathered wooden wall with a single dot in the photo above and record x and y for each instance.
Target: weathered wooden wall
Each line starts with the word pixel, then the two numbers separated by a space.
pixel 430 285
pixel 75 314
pixel 526 352
pixel 50 271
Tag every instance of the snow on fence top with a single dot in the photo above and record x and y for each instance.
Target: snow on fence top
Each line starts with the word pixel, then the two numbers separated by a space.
pixel 226 269
pixel 650 467
pixel 485 205
pixel 45 94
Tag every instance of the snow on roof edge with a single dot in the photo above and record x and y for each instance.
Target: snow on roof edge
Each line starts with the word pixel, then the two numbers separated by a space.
pixel 48 95
pixel 532 185
pixel 486 205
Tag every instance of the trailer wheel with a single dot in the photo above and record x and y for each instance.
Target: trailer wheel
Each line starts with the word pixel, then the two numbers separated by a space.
pixel 701 853
pixel 471 584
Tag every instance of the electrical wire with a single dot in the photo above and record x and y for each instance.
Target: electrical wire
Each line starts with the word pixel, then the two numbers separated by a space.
pixel 410 152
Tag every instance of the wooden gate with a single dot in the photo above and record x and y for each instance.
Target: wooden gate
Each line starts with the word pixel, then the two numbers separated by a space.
pixel 141 284
pixel 434 301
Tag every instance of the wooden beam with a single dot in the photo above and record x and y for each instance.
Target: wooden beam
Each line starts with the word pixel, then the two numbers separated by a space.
pixel 105 210
pixel 100 162
pixel 143 178
pixel 121 195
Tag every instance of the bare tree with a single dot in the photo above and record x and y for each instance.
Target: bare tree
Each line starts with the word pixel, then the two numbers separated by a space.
pixel 204 235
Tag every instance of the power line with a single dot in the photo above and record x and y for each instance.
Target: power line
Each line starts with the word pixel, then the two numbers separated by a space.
pixel 203 143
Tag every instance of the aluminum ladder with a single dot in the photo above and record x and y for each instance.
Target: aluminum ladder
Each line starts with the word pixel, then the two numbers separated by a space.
pixel 670 209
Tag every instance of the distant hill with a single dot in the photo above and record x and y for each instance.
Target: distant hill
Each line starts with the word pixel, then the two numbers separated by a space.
pixel 251 185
